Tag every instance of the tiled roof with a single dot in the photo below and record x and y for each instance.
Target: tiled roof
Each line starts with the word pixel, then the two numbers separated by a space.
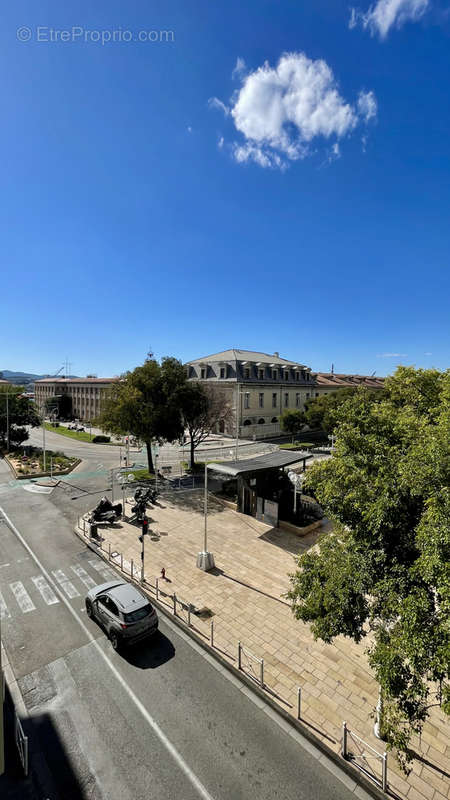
pixel 339 381
pixel 245 355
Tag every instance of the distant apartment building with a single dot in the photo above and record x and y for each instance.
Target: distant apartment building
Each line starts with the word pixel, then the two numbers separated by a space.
pixel 86 394
pixel 260 386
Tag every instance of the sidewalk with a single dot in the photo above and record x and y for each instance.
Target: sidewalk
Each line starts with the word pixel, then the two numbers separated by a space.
pixel 244 597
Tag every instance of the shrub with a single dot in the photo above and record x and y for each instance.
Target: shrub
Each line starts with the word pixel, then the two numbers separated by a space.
pixel 101 438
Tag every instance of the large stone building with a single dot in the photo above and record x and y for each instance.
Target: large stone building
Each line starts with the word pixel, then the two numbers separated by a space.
pixel 86 394
pixel 260 386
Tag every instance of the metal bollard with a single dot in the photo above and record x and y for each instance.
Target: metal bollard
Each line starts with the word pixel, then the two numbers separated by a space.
pixel 344 740
pixel 384 773
pixel 157 588
pixel 211 634
pixel 239 656
pixel 299 703
pixel 174 604
pixel 261 674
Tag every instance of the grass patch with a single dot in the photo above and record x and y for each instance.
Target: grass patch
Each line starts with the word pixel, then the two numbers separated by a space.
pixel 297 446
pixel 79 436
pixel 141 474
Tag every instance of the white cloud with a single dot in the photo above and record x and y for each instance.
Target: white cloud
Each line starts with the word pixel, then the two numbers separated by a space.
pixel 392 355
pixel 367 105
pixel 428 354
pixel 189 129
pixel 387 14
pixel 214 102
pixel 281 110
pixel 240 69
pixel 220 143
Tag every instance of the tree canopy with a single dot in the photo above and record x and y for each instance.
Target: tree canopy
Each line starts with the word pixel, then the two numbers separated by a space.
pixel 201 408
pixel 147 403
pixel 292 421
pixel 21 412
pixel 384 572
pixel 321 412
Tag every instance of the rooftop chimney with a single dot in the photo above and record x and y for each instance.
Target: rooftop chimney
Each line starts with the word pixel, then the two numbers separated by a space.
pixel 276 354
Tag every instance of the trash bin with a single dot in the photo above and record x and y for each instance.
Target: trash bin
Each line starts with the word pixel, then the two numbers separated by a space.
pixel 94 533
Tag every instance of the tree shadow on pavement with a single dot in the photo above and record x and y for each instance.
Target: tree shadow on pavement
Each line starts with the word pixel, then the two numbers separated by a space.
pixel 151 653
pixel 194 501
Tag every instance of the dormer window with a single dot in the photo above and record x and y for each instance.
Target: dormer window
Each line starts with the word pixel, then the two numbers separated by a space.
pixel 297 376
pixel 247 373
pixel 223 372
pixel 286 375
pixel 203 373
pixel 274 374
pixel 261 374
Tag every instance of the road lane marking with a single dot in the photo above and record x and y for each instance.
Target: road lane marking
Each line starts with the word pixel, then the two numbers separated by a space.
pixel 165 741
pixel 23 598
pixel 45 590
pixel 105 571
pixel 83 576
pixel 67 585
pixel 3 608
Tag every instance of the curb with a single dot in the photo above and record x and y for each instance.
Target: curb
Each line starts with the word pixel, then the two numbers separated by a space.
pixel 294 725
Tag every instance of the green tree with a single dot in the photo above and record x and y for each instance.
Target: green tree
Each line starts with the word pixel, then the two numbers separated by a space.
pixel 321 412
pixel 21 413
pixel 385 570
pixel 147 403
pixel 292 422
pixel 202 408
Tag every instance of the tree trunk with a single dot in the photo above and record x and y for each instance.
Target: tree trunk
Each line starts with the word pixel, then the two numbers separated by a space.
pixel 192 453
pixel 149 457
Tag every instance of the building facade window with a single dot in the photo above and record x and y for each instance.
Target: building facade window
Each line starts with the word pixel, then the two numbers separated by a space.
pixel 307 395
pixel 203 372
pixel 261 374
pixel 297 376
pixel 286 375
pixel 274 400
pixel 274 374
pixel 286 399
pixel 261 399
pixel 274 419
pixel 297 399
pixel 246 399
pixel 222 372
pixel 246 373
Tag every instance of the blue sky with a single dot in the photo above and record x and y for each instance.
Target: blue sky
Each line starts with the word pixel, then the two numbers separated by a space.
pixel 154 196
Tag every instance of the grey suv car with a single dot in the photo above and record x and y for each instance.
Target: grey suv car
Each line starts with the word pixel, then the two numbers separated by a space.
pixel 124 613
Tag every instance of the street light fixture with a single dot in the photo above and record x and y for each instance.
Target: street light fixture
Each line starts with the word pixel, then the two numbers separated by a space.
pixel 205 559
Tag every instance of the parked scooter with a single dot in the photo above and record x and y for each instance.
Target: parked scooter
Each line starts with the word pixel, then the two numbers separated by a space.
pixel 105 511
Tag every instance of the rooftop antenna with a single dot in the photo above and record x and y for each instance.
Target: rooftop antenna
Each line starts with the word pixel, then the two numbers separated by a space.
pixel 332 369
pixel 373 373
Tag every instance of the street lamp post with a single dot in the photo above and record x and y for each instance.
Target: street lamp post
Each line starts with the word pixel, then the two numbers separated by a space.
pixel 238 415
pixel 205 560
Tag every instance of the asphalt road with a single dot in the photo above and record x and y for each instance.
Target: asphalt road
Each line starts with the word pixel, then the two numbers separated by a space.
pixel 158 721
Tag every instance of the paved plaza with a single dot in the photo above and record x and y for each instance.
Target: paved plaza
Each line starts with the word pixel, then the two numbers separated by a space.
pixel 244 597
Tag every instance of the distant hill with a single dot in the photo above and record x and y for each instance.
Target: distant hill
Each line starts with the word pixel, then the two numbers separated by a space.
pixel 23 378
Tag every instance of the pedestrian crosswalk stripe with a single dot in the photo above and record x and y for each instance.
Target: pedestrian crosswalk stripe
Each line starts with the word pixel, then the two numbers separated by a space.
pixel 45 590
pixel 83 576
pixel 66 585
pixel 23 598
pixel 3 608
pixel 105 571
